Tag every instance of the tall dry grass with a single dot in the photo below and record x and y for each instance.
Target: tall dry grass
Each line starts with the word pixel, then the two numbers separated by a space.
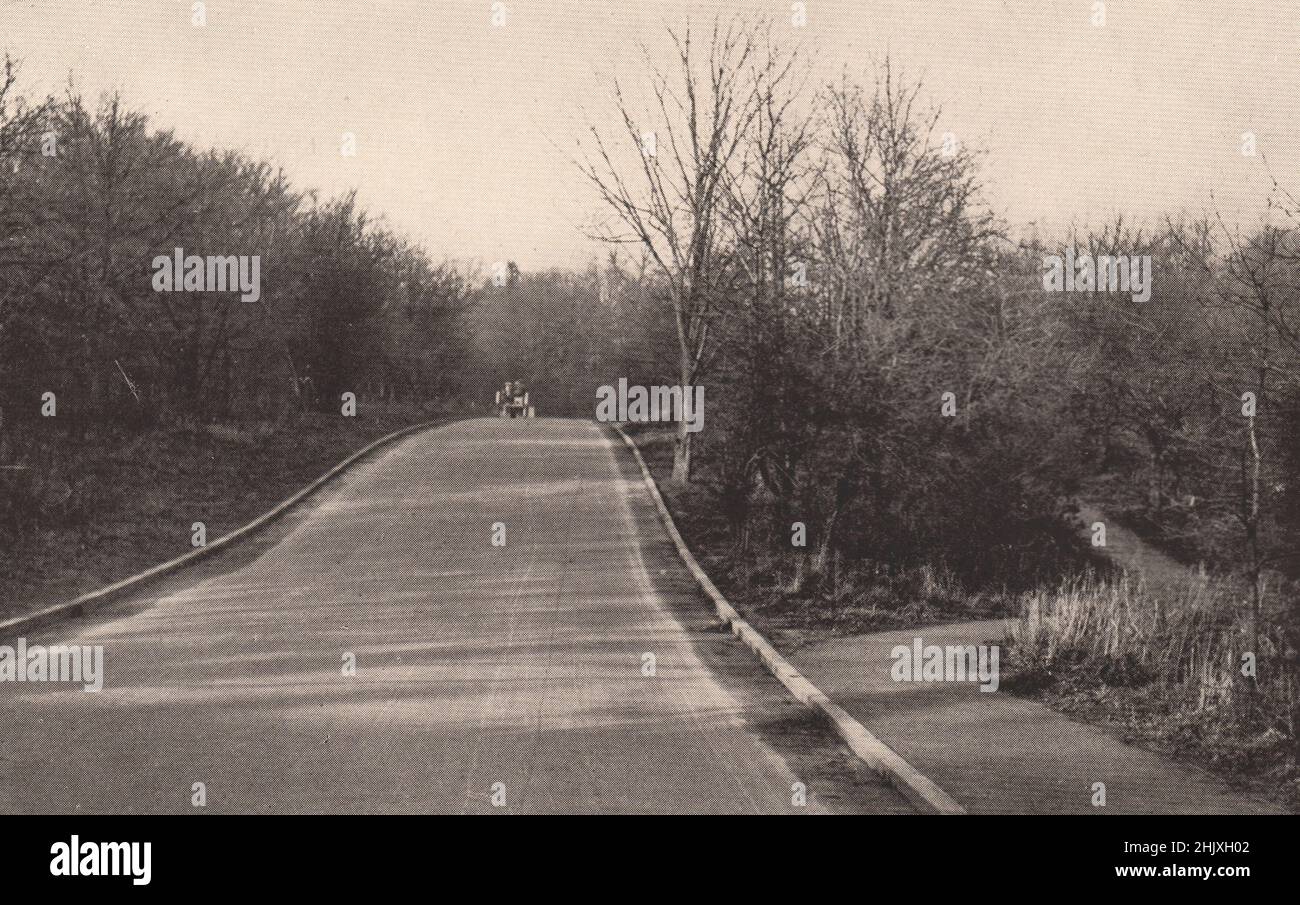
pixel 1168 662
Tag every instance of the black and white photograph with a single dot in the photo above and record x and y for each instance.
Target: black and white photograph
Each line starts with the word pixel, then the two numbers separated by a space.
pixel 870 408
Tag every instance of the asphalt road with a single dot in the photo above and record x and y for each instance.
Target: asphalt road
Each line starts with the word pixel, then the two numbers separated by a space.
pixel 497 679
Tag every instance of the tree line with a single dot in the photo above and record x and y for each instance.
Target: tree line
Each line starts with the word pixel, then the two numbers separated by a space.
pixel 91 195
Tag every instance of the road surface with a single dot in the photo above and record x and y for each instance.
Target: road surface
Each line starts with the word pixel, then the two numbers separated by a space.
pixel 499 679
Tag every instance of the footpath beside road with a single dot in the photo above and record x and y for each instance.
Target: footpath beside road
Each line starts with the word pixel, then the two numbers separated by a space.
pixel 996 753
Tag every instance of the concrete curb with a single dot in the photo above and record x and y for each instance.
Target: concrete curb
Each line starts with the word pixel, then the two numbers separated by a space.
pixel 87 603
pixel 882 759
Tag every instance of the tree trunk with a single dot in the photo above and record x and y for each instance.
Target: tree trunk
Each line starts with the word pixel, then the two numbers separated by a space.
pixel 846 488
pixel 682 440
pixel 1154 475
pixel 682 455
pixel 1252 539
pixel 824 545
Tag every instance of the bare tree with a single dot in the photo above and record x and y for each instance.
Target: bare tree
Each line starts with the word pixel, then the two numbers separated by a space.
pixel 671 203
pixel 21 124
pixel 1257 290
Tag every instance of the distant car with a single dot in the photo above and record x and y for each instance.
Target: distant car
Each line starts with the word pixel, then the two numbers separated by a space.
pixel 513 402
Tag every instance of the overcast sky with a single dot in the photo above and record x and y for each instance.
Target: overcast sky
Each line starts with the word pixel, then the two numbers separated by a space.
pixel 457 120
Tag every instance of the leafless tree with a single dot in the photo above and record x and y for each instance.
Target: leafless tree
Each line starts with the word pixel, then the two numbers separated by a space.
pixel 671 201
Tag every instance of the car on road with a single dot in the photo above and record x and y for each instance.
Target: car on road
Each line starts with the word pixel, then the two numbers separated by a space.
pixel 513 401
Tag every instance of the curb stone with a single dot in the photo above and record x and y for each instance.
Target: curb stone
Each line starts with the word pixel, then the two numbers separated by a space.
pixel 911 784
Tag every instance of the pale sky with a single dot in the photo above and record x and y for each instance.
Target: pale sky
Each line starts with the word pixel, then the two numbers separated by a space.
pixel 457 121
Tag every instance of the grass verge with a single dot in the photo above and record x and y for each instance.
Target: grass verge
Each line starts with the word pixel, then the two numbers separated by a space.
pixel 77 514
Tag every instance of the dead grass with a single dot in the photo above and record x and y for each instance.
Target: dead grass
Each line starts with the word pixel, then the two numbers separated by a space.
pixel 1165 667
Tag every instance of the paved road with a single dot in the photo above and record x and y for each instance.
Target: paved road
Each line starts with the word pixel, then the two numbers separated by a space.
pixel 475 664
